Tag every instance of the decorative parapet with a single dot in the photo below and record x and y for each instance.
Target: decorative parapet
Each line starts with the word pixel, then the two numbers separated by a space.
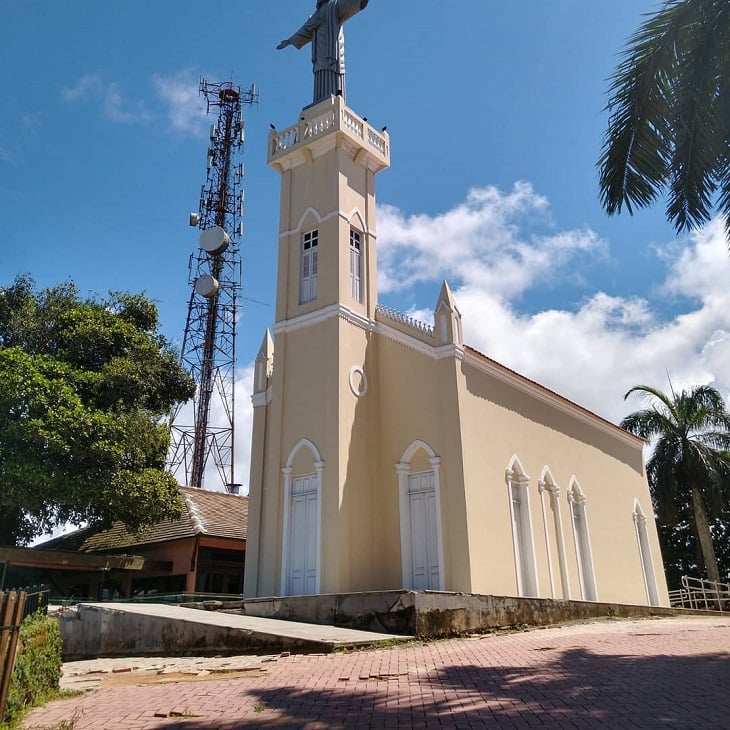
pixel 324 118
pixel 404 320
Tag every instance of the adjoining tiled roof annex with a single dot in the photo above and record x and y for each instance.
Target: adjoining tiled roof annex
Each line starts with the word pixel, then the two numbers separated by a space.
pixel 214 514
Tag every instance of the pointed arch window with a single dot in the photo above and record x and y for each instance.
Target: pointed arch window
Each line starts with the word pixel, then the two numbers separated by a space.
pixel 308 266
pixel 582 539
pixel 524 548
pixel 554 539
pixel 356 264
pixel 647 563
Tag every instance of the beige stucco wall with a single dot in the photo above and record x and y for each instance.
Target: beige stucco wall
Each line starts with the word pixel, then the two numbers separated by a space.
pixel 471 415
pixel 501 420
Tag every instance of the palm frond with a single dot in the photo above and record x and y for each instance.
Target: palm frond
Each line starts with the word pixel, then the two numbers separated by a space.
pixel 668 115
pixel 637 146
pixel 698 129
pixel 647 423
pixel 691 446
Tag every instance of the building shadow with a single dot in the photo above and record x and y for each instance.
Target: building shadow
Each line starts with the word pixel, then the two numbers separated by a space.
pixel 572 689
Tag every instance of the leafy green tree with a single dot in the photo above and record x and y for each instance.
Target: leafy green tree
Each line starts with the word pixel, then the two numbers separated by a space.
pixel 669 115
pixel 84 386
pixel 681 549
pixel 688 470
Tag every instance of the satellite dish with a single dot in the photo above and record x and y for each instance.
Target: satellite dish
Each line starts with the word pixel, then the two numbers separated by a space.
pixel 214 240
pixel 206 286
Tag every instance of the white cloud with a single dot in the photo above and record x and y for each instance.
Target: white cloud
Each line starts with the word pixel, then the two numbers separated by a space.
pixel 243 421
pixel 86 86
pixel 592 354
pixel 185 107
pixel 485 241
pixel 488 249
pixel 116 106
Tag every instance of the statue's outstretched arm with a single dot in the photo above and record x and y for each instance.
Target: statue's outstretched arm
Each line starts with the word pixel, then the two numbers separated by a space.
pixel 305 34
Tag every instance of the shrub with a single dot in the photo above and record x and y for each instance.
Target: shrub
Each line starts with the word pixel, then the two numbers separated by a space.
pixel 37 667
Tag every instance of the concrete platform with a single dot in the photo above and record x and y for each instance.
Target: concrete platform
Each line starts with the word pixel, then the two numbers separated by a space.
pixel 135 629
pixel 430 614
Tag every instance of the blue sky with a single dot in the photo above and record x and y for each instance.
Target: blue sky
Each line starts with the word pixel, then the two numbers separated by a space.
pixel 495 115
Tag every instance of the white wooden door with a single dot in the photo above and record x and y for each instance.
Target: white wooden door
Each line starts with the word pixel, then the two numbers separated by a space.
pixel 303 537
pixel 425 572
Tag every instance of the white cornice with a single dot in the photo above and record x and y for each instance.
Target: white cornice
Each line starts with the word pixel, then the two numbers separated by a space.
pixel 260 400
pixel 468 356
pixel 308 319
pixel 402 338
pixel 558 402
pixel 335 213
pixel 321 315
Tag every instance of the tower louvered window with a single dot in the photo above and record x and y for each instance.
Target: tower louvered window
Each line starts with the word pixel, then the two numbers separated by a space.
pixel 356 265
pixel 308 269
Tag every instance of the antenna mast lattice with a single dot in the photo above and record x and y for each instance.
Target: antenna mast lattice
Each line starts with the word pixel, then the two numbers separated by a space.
pixel 209 342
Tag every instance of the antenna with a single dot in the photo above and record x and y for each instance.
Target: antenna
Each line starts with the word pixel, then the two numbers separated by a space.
pixel 209 343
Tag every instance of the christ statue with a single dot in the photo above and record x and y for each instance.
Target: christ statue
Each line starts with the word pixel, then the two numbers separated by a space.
pixel 323 29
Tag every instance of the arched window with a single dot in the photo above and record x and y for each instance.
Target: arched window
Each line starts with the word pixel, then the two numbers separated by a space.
pixel 554 539
pixel 582 542
pixel 308 266
pixel 524 547
pixel 300 569
pixel 647 563
pixel 420 518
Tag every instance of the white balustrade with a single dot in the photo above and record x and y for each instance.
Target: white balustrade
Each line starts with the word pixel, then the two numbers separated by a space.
pixel 377 142
pixel 405 320
pixel 307 130
pixel 285 140
pixel 351 122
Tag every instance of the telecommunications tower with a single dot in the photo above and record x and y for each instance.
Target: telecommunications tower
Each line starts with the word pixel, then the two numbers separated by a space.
pixel 209 342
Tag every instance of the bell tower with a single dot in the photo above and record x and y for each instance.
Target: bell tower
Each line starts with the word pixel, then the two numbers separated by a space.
pixel 311 384
pixel 328 162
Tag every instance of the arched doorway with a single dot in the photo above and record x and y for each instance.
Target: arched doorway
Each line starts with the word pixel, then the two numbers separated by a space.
pixel 300 571
pixel 420 512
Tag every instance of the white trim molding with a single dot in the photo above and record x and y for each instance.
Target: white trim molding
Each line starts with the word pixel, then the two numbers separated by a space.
pixel 349 217
pixel 403 472
pixel 523 542
pixel 582 539
pixel 548 484
pixel 647 562
pixel 362 390
pixel 286 472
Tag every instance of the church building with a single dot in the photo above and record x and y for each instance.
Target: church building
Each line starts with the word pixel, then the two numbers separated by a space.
pixel 387 453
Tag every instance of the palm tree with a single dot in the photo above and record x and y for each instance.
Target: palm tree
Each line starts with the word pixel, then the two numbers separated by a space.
pixel 687 470
pixel 669 116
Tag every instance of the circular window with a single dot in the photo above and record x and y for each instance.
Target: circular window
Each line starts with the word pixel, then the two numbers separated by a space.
pixel 358 381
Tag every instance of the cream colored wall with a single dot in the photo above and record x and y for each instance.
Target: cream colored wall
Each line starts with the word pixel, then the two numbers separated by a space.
pixel 499 421
pixel 321 195
pixel 327 184
pixel 473 421
pixel 416 400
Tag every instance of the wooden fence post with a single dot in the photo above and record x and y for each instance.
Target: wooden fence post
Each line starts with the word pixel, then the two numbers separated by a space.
pixel 12 605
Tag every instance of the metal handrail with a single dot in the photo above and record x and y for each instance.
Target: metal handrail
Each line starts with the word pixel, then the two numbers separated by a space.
pixel 702 594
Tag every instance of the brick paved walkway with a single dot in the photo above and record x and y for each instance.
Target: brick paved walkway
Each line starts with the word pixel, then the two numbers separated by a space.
pixel 615 674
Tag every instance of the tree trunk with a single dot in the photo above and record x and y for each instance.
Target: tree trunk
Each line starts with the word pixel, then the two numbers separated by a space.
pixel 703 535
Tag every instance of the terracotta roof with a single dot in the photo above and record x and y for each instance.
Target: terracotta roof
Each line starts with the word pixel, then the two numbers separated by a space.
pixel 214 514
